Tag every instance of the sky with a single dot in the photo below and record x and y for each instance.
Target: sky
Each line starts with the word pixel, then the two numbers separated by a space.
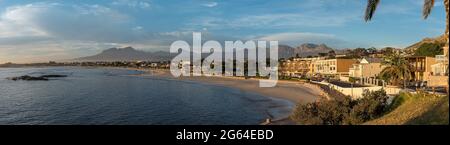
pixel 40 31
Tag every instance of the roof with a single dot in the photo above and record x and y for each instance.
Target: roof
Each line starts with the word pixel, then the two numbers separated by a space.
pixel 372 60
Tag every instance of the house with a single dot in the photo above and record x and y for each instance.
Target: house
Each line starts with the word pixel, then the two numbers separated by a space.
pixel 296 67
pixel 333 67
pixel 439 71
pixel 366 70
pixel 154 64
pixel 421 67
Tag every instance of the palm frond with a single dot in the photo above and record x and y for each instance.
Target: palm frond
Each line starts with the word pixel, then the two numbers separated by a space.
pixel 371 8
pixel 427 7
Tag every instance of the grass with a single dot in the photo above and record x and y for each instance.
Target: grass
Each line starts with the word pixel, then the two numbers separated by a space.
pixel 416 109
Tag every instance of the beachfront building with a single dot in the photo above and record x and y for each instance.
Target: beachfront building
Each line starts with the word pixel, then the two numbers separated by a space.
pixel 421 67
pixel 297 67
pixel 366 71
pixel 333 67
pixel 439 71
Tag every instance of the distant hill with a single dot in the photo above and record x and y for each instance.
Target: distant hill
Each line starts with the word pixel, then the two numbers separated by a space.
pixel 131 54
pixel 285 51
pixel 304 50
pixel 438 40
pixel 128 54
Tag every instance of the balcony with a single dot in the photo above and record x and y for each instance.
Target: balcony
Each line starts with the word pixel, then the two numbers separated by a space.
pixel 441 58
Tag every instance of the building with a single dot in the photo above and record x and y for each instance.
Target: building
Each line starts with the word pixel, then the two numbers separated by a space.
pixel 333 67
pixel 439 71
pixel 297 67
pixel 366 67
pixel 421 67
pixel 366 70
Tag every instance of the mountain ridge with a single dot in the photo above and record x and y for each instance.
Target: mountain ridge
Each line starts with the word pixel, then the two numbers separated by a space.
pixel 132 54
pixel 127 54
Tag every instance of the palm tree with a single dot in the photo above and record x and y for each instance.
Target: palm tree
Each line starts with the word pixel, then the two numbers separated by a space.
pixel 397 68
pixel 427 7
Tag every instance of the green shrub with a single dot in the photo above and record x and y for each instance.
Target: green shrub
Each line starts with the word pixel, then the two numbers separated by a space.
pixel 429 49
pixel 371 106
pixel 344 111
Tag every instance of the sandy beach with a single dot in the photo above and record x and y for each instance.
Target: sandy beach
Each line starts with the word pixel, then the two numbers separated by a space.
pixel 293 91
pixel 297 92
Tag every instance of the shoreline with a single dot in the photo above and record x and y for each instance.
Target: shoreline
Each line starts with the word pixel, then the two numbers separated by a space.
pixel 291 91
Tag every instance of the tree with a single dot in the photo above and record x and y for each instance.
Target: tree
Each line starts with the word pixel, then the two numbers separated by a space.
pixel 323 54
pixel 372 50
pixel 428 49
pixel 427 7
pixel 357 53
pixel 331 54
pixel 397 68
pixel 372 105
pixel 388 50
pixel 342 111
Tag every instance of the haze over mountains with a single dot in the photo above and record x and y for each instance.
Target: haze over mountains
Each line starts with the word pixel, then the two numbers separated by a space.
pixel 128 54
pixel 131 54
pixel 304 50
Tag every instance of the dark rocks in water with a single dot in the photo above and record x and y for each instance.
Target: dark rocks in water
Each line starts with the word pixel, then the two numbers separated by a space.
pixel 53 76
pixel 29 78
pixel 40 78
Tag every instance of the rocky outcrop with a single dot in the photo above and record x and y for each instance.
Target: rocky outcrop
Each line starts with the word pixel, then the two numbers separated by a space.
pixel 39 78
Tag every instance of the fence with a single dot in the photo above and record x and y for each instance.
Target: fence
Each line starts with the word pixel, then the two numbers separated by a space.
pixel 357 92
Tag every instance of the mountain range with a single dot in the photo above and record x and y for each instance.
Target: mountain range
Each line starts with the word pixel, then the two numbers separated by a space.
pixel 304 50
pixel 128 54
pixel 131 54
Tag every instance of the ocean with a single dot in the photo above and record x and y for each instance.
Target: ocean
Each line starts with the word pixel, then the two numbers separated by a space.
pixel 107 96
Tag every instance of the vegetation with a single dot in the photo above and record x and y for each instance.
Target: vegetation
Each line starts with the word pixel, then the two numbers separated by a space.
pixel 343 111
pixel 429 49
pixel 416 109
pixel 396 69
pixel 331 54
pixel 357 53
pixel 427 7
pixel 388 50
pixel 372 50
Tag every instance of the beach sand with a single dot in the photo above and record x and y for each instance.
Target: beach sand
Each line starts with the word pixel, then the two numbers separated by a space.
pixel 294 91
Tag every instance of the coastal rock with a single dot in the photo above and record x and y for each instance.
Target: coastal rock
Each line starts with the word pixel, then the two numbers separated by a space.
pixel 29 78
pixel 40 78
pixel 54 76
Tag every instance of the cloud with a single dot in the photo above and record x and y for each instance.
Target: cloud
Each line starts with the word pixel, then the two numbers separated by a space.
pixel 210 4
pixel 297 38
pixel 27 30
pixel 279 21
pixel 132 3
pixel 18 21
pixel 66 22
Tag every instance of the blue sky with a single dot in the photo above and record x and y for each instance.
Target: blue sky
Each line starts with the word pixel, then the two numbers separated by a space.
pixel 32 31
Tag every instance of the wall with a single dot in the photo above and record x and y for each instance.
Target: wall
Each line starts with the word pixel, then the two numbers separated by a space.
pixel 436 81
pixel 371 70
pixel 343 65
pixel 356 93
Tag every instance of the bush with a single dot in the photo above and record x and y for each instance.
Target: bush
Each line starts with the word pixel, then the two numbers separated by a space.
pixel 344 111
pixel 429 49
pixel 371 106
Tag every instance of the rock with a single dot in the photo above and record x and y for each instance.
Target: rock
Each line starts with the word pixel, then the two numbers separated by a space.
pixel 29 78
pixel 40 78
pixel 54 76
